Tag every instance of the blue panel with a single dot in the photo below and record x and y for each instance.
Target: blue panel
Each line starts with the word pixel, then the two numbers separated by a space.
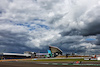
pixel 49 52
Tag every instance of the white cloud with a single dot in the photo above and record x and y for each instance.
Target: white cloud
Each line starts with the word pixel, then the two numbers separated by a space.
pixel 57 15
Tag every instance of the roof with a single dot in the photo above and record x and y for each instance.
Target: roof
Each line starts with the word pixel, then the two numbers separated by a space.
pixel 55 48
pixel 17 54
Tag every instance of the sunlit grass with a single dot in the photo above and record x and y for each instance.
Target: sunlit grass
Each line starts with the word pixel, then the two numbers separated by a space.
pixel 61 60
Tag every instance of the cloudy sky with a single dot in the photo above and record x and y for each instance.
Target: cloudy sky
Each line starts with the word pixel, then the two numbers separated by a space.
pixel 33 25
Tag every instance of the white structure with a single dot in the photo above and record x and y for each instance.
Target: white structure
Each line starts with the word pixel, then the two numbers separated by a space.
pixel 16 54
pixel 98 57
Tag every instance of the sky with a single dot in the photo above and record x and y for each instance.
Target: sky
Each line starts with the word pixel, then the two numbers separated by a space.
pixel 33 25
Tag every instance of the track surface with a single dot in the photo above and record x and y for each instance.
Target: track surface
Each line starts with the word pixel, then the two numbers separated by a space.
pixel 33 64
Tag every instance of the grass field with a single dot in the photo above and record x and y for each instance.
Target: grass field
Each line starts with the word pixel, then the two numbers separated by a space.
pixel 61 60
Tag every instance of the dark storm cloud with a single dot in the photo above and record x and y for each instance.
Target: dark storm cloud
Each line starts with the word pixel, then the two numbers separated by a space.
pixel 69 44
pixel 62 17
pixel 92 22
pixel 70 47
pixel 0 11
pixel 92 28
pixel 98 40
pixel 70 33
pixel 13 40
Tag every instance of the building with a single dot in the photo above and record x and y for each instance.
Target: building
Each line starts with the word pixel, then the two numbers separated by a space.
pixel 16 55
pixel 55 51
pixel 52 52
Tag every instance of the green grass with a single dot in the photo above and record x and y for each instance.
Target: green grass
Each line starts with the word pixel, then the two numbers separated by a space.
pixel 62 60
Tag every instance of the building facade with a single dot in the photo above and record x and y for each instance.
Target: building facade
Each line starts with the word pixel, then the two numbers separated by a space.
pixel 55 51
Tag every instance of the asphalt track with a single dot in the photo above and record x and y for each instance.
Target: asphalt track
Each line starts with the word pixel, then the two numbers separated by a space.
pixel 34 64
